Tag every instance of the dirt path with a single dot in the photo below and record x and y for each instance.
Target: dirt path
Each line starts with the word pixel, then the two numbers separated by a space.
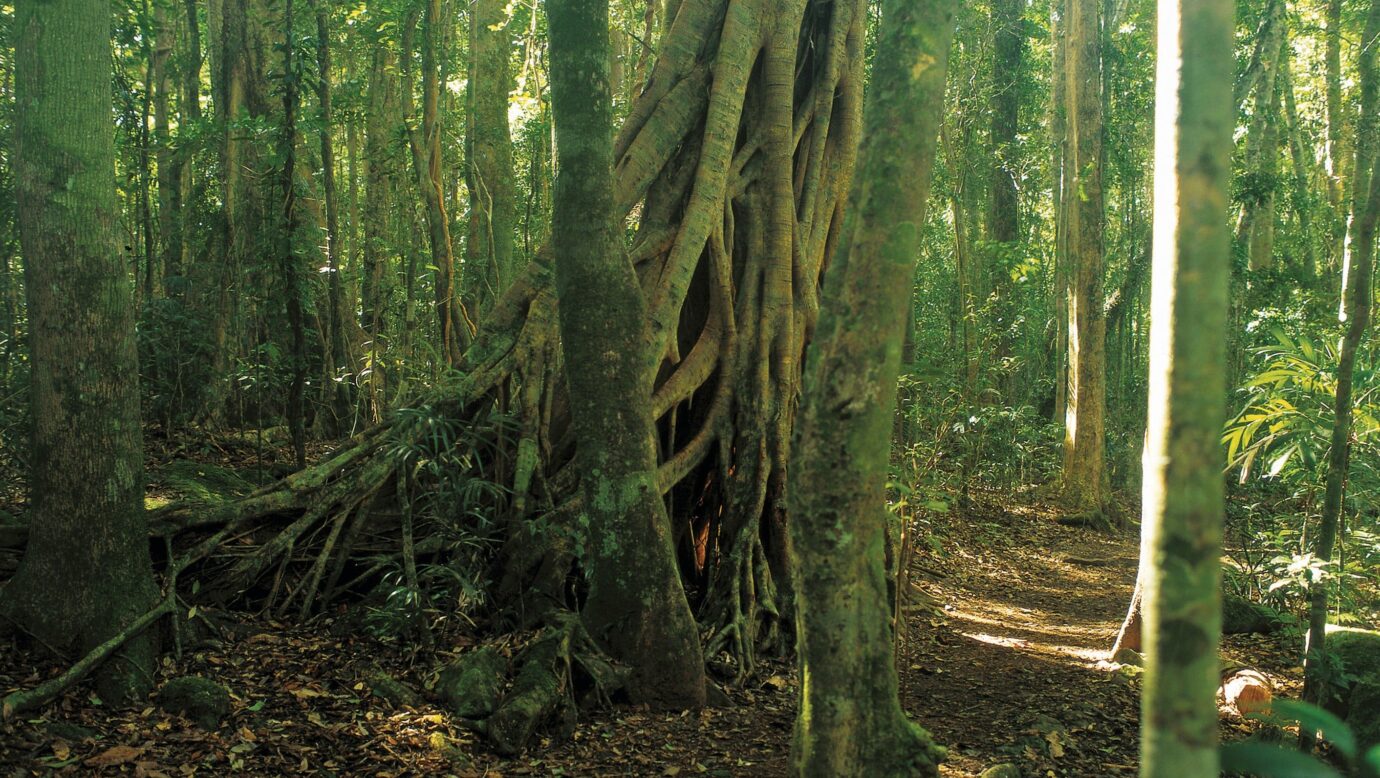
pixel 1003 665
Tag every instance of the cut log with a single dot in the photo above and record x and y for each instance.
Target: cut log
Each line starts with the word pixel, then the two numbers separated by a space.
pixel 1247 691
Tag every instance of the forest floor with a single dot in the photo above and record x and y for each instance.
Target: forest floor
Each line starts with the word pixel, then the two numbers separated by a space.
pixel 1009 620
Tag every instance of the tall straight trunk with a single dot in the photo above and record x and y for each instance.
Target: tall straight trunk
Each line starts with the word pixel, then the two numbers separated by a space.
pixel 1182 496
pixel 850 720
pixel 146 155
pixel 1059 165
pixel 1003 216
pixel 1336 158
pixel 1085 478
pixel 424 140
pixel 636 605
pixel 290 264
pixel 1301 161
pixel 338 355
pixel 1357 298
pixel 490 264
pixel 170 194
pixel 241 46
pixel 85 574
pixel 1255 224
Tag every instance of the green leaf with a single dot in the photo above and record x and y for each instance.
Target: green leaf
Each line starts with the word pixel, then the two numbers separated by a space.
pixel 1315 718
pixel 1373 759
pixel 1268 761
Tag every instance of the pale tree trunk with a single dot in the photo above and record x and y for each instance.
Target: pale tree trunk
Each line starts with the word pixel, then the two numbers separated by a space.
pixel 1059 164
pixel 1085 478
pixel 850 720
pixel 489 261
pixel 1182 495
pixel 636 604
pixel 85 574
pixel 1357 299
pixel 1337 153
pixel 1255 223
pixel 1301 161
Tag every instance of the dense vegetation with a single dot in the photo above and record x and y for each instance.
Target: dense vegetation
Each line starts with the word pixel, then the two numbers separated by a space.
pixel 612 352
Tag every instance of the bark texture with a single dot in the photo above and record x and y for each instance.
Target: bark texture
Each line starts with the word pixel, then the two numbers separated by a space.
pixel 86 571
pixel 850 720
pixel 1182 496
pixel 636 605
pixel 489 261
pixel 1085 477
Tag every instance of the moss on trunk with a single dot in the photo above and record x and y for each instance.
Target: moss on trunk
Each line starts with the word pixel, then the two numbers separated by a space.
pixel 850 720
pixel 87 525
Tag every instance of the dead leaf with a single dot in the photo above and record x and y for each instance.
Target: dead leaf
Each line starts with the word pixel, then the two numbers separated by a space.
pixel 114 756
pixel 61 749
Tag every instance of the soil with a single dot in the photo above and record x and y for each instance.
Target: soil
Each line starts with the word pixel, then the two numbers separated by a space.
pixel 1008 619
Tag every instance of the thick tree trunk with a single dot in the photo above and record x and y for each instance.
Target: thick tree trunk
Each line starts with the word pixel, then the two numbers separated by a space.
pixel 1182 496
pixel 1085 477
pixel 86 571
pixel 636 603
pixel 294 290
pixel 1357 299
pixel 489 261
pixel 850 720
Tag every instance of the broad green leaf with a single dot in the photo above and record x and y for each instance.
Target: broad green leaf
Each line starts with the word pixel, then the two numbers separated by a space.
pixel 1269 761
pixel 1315 718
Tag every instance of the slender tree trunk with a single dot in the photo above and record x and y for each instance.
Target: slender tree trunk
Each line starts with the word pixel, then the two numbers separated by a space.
pixel 1357 299
pixel 1003 217
pixel 339 355
pixel 1060 165
pixel 85 573
pixel 1085 478
pixel 490 264
pixel 425 143
pixel 1302 163
pixel 1182 496
pixel 636 606
pixel 850 720
pixel 1255 224
pixel 1336 132
pixel 170 193
pixel 290 265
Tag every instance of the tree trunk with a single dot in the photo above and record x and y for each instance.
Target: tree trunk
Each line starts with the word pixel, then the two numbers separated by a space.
pixel 636 603
pixel 489 261
pixel 850 720
pixel 1357 298
pixel 1003 218
pixel 1182 495
pixel 1085 478
pixel 1060 165
pixel 425 144
pixel 86 509
pixel 294 290
pixel 339 359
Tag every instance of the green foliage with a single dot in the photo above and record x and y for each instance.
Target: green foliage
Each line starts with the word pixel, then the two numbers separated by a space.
pixel 1254 757
pixel 175 362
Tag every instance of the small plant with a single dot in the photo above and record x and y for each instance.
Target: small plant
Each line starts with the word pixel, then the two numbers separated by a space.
pixel 1253 757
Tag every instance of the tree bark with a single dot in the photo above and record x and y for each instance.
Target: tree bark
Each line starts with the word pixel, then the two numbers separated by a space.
pixel 850 720
pixel 636 606
pixel 489 262
pixel 1182 495
pixel 87 524
pixel 1085 477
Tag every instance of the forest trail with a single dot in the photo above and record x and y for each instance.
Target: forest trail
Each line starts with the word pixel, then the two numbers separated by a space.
pixel 1004 662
